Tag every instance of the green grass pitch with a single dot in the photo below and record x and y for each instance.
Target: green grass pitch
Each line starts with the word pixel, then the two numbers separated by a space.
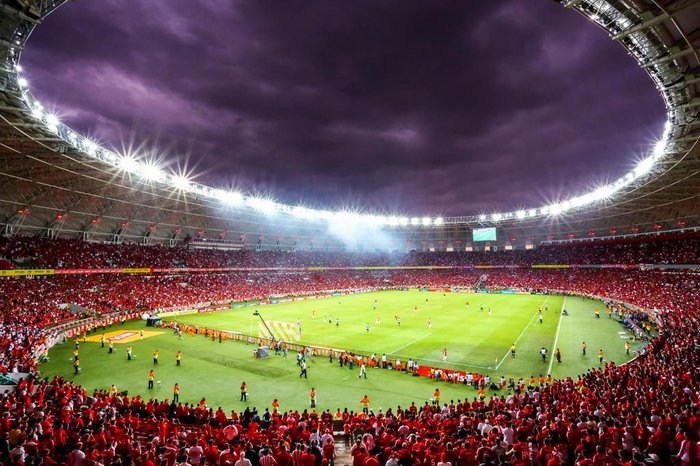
pixel 476 340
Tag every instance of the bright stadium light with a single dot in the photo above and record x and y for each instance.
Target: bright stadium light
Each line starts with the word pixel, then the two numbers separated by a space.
pixel 181 182
pixel 37 113
pixel 231 198
pixel 482 217
pixel 265 206
pixel 426 221
pixel 18 68
pixel 403 221
pixel 438 221
pixel 52 123
pixel 128 164
pixel 520 214
pixel 22 82
pixel 415 220
pixel 89 147
pixel 644 167
pixel 393 221
pixel 150 172
pixel 496 217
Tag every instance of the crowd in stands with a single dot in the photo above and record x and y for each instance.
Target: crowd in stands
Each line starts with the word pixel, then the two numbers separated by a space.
pixel 644 412
pixel 26 252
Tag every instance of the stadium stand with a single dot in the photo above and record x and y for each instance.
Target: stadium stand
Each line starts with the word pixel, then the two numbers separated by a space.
pixel 643 412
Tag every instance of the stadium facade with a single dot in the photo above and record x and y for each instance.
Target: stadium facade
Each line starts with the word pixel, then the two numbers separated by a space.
pixel 55 182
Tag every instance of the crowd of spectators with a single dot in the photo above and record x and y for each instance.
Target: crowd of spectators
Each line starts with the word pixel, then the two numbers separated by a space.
pixel 644 412
pixel 29 252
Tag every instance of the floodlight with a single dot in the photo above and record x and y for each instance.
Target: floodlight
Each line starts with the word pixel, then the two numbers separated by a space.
pixel 496 217
pixel 403 221
pixel 438 221
pixel 38 114
pixel 228 197
pixel 18 68
pixel 128 164
pixel 150 172
pixel 393 221
pixel 181 182
pixel 263 205
pixel 52 123
pixel 22 82
pixel 659 149
pixel 415 221
pixel 520 214
pixel 644 167
pixel 89 146
pixel 532 212
pixel 426 221
pixel 482 217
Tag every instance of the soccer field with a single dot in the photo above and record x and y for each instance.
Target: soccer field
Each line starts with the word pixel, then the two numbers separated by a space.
pixel 477 340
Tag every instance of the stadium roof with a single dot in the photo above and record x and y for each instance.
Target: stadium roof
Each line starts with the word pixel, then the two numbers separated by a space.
pixel 57 182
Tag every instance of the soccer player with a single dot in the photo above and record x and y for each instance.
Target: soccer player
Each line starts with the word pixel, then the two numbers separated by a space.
pixel 178 357
pixel 110 348
pixel 398 321
pixel 176 392
pixel 627 347
pixel 363 370
pixel 597 313
pixel 557 354
pixel 141 334
pixel 303 369
pixel 583 348
pixel 156 353
pixel 543 353
pixel 541 317
pixel 376 322
pixel 430 322
pixel 337 322
pixel 244 392
pixel 489 311
pixel 76 365
pixel 367 327
pixel 313 313
pixel 299 327
pixel 444 355
pixel 312 397
pixel 600 355
pixel 129 353
pixel 512 350
pixel 151 378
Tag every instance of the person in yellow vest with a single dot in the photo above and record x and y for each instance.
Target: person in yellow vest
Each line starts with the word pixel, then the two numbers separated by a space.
pixel 600 355
pixel 365 404
pixel 597 313
pixel 151 378
pixel 627 347
pixel 512 351
pixel 244 392
pixel 75 353
pixel 436 397
pixel 129 353
pixel 113 391
pixel 275 405
pixel 141 334
pixel 583 348
pixel 482 393
pixel 176 393
pixel 111 347
pixel 76 365
pixel 178 357
pixel 609 313
pixel 155 357
pixel 102 341
pixel 312 397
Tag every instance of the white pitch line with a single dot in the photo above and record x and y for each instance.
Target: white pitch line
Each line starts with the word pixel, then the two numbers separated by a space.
pixel 556 337
pixel 409 343
pixel 520 336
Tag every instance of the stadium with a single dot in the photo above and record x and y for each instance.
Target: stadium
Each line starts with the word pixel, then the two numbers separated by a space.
pixel 149 318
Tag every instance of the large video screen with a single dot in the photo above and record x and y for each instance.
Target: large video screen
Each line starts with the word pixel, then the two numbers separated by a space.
pixel 484 234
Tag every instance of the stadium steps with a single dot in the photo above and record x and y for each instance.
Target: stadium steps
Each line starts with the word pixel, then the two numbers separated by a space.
pixel 342 452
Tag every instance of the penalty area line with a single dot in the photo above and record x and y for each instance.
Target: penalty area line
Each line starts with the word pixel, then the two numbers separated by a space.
pixel 410 343
pixel 519 336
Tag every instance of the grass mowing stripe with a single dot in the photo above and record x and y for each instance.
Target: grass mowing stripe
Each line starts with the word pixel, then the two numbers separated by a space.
pixel 556 337
pixel 519 337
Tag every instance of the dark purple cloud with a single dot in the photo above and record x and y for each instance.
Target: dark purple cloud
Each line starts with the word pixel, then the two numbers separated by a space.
pixel 425 107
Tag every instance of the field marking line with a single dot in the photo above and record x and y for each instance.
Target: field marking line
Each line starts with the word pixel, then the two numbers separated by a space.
pixel 520 336
pixel 410 343
pixel 556 337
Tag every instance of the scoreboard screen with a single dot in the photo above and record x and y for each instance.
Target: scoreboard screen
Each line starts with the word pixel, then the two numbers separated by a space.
pixel 484 234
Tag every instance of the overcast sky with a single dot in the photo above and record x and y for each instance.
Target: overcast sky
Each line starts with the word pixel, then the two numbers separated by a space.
pixel 419 107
